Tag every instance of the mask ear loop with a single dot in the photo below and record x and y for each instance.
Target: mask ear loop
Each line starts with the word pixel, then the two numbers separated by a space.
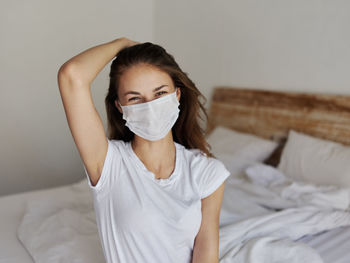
pixel 176 88
pixel 119 103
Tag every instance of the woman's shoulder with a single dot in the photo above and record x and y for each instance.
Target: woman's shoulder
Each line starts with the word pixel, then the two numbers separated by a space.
pixel 207 172
pixel 116 142
pixel 119 145
pixel 198 158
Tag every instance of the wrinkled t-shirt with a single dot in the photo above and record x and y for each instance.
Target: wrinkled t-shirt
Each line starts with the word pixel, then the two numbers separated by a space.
pixel 144 219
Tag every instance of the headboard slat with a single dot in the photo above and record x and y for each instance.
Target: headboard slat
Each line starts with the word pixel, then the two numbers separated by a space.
pixel 271 114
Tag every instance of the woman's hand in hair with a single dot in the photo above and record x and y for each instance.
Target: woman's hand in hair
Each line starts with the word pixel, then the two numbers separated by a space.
pixel 127 42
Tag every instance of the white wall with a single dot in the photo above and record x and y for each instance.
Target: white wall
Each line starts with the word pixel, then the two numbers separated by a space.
pixel 293 45
pixel 37 149
pixel 281 45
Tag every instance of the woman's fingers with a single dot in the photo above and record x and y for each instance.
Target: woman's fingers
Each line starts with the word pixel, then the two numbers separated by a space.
pixel 132 43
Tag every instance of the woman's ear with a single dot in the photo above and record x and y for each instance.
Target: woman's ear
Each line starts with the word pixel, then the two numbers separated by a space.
pixel 178 93
pixel 116 102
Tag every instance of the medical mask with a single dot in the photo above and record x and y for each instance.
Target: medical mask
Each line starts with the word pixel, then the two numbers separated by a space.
pixel 152 120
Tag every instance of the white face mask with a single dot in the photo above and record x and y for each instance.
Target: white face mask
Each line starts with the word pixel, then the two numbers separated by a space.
pixel 152 120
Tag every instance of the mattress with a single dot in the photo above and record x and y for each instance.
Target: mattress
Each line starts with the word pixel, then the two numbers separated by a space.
pixel 12 209
pixel 332 245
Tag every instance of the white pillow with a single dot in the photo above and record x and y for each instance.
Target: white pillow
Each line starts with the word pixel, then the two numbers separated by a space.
pixel 235 165
pixel 225 141
pixel 315 160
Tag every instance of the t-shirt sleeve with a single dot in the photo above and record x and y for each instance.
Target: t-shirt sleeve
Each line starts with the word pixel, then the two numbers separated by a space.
pixel 105 179
pixel 212 174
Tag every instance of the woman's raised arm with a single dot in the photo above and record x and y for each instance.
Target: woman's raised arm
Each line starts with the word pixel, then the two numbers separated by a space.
pixel 74 79
pixel 85 66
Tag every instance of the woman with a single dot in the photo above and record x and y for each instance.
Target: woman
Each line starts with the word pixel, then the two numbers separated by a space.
pixel 157 189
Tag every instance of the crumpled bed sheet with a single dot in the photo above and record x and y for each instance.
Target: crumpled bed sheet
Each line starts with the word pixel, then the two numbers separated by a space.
pixel 263 214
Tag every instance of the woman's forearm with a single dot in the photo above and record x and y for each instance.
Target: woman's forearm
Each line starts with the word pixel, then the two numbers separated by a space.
pixel 85 66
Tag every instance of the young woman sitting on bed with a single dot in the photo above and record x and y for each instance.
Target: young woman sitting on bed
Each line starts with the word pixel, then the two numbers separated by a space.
pixel 157 189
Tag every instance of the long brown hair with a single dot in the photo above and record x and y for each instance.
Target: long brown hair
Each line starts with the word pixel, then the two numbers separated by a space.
pixel 186 130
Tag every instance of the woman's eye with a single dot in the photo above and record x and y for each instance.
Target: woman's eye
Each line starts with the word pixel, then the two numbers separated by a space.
pixel 157 94
pixel 160 92
pixel 133 98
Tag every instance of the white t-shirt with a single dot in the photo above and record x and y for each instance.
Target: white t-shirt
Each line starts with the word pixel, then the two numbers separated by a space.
pixel 148 220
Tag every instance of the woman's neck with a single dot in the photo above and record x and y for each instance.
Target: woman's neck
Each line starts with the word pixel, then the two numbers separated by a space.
pixel 158 156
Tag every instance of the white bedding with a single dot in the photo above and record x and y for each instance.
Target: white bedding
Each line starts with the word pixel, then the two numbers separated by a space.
pixel 71 206
pixel 63 229
pixel 272 211
pixel 13 208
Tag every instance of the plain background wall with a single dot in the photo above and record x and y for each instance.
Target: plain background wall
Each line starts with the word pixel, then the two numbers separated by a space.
pixel 37 37
pixel 290 45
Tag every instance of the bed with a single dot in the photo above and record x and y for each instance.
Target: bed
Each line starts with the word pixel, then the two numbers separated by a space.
pixel 69 207
pixel 269 115
pixel 272 115
pixel 12 212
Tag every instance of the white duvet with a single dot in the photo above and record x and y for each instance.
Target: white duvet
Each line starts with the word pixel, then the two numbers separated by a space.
pixel 264 213
pixel 62 230
pixel 262 216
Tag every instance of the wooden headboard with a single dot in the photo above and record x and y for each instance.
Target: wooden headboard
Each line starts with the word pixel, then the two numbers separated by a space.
pixel 271 114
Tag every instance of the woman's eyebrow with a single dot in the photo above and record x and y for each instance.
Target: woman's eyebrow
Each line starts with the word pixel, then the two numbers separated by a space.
pixel 156 89
pixel 138 93
pixel 131 92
